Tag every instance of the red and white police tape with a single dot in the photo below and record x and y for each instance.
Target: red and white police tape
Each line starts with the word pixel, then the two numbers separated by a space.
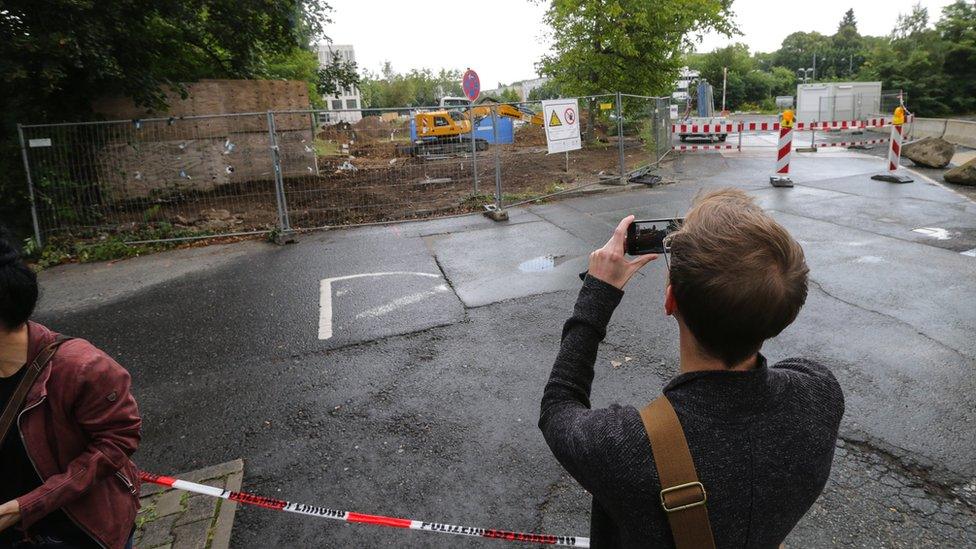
pixel 346 516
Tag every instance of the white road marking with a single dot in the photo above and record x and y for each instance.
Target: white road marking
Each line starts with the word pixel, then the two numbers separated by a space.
pixel 325 296
pixel 401 302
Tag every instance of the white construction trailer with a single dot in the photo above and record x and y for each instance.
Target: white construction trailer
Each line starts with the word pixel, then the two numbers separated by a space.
pixel 829 101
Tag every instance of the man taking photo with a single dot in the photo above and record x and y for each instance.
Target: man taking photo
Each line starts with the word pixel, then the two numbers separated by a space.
pixel 761 438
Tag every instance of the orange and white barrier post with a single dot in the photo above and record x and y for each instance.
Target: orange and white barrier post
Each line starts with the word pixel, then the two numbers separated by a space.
pixel 894 152
pixel 782 176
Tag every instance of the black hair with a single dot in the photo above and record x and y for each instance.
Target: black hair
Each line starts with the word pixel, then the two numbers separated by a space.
pixel 18 285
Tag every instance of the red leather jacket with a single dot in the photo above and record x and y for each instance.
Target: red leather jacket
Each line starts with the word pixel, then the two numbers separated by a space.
pixel 79 425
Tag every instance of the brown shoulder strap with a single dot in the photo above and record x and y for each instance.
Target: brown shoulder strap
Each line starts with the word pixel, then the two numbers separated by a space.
pixel 682 494
pixel 34 369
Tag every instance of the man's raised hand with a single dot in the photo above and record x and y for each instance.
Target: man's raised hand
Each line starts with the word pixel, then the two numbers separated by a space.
pixel 610 264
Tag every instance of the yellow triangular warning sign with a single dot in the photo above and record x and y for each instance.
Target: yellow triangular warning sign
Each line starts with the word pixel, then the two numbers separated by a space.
pixel 554 120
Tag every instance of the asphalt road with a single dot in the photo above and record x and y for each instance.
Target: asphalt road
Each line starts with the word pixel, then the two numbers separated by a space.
pixel 398 369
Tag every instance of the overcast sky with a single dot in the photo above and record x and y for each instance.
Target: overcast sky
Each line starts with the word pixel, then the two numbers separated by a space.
pixel 503 39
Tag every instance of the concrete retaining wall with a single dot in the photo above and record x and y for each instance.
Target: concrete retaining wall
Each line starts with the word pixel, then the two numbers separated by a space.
pixel 961 132
pixel 957 132
pixel 928 127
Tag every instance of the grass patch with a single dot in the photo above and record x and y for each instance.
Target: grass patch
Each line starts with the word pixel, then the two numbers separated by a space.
pixel 327 148
pixel 87 248
pixel 149 515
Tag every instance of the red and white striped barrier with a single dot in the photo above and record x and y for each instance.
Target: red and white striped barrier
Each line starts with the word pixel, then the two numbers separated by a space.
pixel 851 143
pixel 704 128
pixel 346 516
pixel 702 147
pixel 894 152
pixel 759 126
pixel 783 150
pixel 774 126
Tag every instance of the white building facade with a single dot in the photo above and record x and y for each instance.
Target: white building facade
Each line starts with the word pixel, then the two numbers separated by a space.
pixel 348 102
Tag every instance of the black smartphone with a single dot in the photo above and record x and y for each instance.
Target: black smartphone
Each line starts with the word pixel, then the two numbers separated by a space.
pixel 646 236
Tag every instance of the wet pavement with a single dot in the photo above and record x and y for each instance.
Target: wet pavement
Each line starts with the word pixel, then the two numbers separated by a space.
pixel 398 369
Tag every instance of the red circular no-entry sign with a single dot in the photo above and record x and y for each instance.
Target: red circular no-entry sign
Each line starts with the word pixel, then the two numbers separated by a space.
pixel 471 84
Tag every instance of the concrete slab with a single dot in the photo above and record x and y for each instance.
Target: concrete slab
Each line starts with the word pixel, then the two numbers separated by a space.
pixel 892 217
pixel 925 287
pixel 507 262
pixel 73 287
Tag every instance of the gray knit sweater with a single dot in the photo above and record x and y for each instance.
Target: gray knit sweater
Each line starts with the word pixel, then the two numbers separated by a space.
pixel 762 440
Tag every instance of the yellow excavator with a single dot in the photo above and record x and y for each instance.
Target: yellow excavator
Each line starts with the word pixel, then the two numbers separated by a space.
pixel 440 131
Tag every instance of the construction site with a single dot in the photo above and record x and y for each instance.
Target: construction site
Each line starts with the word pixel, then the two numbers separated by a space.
pixel 236 157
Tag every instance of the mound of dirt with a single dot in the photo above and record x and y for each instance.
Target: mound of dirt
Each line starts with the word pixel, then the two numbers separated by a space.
pixel 336 132
pixel 372 124
pixel 530 134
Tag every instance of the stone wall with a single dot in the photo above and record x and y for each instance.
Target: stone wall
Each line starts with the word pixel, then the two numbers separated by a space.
pixel 191 147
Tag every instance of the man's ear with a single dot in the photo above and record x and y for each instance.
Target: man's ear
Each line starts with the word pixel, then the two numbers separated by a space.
pixel 670 305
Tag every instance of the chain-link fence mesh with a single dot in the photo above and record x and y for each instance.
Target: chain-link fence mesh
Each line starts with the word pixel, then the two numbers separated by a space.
pixel 194 175
pixel 164 178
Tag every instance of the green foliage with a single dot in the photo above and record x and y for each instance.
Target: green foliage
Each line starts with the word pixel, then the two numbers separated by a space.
pixel 417 88
pixel 549 90
pixel 336 76
pixel 936 67
pixel 57 56
pixel 508 95
pixel 296 64
pixel 69 248
pixel 631 45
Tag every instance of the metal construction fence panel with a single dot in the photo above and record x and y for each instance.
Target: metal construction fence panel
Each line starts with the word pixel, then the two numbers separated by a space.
pixel 209 174
pixel 192 177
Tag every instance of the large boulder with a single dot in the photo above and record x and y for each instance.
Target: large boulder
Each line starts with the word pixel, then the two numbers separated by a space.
pixel 962 175
pixel 930 151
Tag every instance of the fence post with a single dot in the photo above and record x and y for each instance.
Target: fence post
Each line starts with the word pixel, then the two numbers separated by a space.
pixel 474 147
pixel 30 186
pixel 620 139
pixel 495 211
pixel 283 222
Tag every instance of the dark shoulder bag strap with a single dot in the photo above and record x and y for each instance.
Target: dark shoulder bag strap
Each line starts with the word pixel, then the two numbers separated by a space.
pixel 682 494
pixel 34 369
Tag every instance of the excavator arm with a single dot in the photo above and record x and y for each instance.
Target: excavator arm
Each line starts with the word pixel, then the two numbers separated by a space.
pixel 509 111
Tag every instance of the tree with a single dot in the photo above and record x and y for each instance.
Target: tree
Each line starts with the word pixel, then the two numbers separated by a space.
pixel 336 76
pixel 632 46
pixel 797 50
pixel 416 88
pixel 784 81
pixel 846 54
pixel 58 56
pixel 848 20
pixel 549 90
pixel 509 95
pixel 913 60
pixel 957 28
pixel 911 24
pixel 735 58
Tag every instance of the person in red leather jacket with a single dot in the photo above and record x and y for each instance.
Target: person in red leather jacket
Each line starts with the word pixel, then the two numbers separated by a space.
pixel 67 477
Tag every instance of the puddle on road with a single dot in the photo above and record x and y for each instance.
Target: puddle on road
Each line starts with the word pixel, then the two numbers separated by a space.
pixel 970 253
pixel 870 259
pixel 937 233
pixel 542 263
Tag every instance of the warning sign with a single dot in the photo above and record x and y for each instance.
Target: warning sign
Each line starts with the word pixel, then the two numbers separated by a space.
pixel 562 129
